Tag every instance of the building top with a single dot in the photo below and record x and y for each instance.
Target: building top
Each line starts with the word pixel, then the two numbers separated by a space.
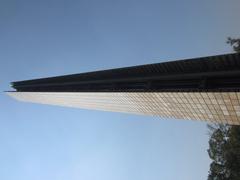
pixel 213 73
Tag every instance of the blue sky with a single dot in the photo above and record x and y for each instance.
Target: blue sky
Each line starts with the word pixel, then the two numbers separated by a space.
pixel 55 37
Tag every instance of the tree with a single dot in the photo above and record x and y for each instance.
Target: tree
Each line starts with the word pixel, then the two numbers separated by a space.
pixel 224 144
pixel 235 43
pixel 217 147
pixel 224 150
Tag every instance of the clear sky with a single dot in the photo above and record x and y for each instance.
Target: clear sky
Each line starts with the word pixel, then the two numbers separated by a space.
pixel 55 37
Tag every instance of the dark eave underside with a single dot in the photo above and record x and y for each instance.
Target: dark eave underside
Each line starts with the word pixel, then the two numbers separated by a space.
pixel 214 73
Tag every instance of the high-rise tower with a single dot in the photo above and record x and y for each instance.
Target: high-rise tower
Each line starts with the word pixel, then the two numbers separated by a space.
pixel 205 89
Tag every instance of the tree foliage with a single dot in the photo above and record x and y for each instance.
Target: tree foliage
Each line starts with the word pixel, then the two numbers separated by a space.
pixel 235 43
pixel 224 144
pixel 224 150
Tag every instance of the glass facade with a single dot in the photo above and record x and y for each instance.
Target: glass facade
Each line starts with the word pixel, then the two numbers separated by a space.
pixel 216 107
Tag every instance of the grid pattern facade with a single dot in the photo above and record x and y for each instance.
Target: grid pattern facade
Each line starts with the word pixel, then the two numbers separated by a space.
pixel 216 107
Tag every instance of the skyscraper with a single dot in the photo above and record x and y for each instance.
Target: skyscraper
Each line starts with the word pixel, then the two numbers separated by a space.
pixel 204 88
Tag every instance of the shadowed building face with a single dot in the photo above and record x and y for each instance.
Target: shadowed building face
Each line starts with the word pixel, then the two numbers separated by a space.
pixel 198 89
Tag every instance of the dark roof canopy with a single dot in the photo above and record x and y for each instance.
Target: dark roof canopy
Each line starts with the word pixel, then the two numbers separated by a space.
pixel 214 73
